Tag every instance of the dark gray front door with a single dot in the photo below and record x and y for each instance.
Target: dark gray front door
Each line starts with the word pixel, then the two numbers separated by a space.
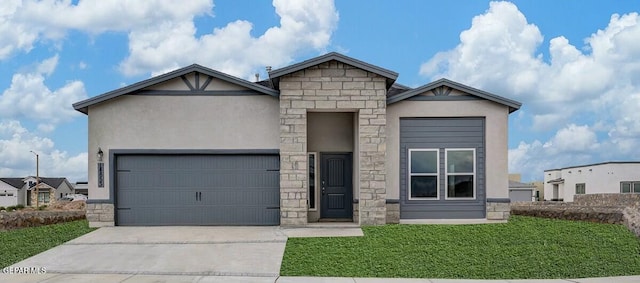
pixel 336 191
pixel 218 189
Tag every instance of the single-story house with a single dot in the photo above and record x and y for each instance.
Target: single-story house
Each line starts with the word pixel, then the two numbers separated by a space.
pixel 519 191
pixel 331 138
pixel 10 192
pixel 607 177
pixel 15 191
pixel 81 187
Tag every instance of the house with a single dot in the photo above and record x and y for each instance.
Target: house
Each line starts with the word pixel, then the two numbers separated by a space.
pixel 10 192
pixel 519 191
pixel 21 191
pixel 331 138
pixel 608 177
pixel 81 188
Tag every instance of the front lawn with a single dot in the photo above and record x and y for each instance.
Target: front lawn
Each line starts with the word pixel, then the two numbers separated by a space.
pixel 16 245
pixel 524 248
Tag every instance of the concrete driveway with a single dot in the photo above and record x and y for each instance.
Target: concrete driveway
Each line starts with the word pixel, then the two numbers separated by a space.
pixel 184 251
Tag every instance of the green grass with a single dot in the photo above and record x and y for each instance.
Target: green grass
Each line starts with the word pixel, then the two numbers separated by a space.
pixel 524 248
pixel 16 245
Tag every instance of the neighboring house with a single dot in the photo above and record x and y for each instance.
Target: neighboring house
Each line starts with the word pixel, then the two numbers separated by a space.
pixel 10 192
pixel 608 177
pixel 81 188
pixel 520 191
pixel 49 190
pixel 330 138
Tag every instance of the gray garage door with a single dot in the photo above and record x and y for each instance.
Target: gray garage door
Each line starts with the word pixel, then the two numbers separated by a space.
pixel 520 195
pixel 197 190
pixel 441 134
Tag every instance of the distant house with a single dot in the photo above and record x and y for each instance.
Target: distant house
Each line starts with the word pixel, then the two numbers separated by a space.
pixel 10 192
pixel 15 191
pixel 608 177
pixel 81 188
pixel 520 191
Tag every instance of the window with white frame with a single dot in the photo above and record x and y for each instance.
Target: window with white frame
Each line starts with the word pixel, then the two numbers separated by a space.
pixel 581 189
pixel 630 187
pixel 460 171
pixel 423 173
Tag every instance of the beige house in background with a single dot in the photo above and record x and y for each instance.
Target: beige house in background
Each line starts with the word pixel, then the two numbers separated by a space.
pixel 327 139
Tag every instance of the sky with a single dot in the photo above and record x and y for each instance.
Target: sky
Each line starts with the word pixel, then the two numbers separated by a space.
pixel 575 65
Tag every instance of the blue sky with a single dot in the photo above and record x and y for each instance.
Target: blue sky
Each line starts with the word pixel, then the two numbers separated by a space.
pixel 575 65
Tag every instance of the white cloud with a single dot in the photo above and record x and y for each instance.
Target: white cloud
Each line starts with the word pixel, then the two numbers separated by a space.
pixel 232 49
pixel 16 160
pixel 28 97
pixel 162 35
pixel 596 85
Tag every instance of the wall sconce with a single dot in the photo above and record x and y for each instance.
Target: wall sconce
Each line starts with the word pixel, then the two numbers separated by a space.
pixel 100 154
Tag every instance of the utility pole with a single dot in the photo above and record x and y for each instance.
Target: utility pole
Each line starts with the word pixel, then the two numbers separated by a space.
pixel 37 179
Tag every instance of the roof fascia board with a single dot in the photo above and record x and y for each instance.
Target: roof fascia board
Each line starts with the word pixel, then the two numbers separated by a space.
pixel 390 75
pixel 82 106
pixel 512 104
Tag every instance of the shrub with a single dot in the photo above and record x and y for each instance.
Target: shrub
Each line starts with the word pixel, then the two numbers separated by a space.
pixel 19 206
pixel 11 208
pixel 2 208
pixel 42 207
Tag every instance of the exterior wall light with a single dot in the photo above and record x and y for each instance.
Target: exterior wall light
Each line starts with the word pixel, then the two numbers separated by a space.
pixel 100 154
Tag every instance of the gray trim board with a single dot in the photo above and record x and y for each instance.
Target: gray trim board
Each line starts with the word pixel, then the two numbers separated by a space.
pixel 198 92
pixel 274 76
pixel 499 200
pixel 83 106
pixel 110 201
pixel 512 104
pixel 387 201
pixel 443 98
pixel 594 164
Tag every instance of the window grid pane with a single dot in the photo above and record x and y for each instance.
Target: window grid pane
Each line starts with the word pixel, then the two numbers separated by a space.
pixel 460 186
pixel 460 173
pixel 423 173
pixel 636 187
pixel 625 187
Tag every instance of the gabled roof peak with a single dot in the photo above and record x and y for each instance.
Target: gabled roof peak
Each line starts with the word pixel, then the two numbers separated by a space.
pixel 512 104
pixel 83 106
pixel 275 75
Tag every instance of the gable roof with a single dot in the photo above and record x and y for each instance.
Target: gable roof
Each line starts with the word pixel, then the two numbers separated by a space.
pixel 512 104
pixel 14 182
pixel 274 76
pixel 83 106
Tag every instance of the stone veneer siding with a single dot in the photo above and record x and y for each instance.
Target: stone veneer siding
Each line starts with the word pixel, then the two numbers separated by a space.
pixel 52 197
pixel 333 87
pixel 100 214
pixel 498 210
pixel 392 214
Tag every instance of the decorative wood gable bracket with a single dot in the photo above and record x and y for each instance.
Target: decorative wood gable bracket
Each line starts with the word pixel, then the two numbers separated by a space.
pixel 197 82
pixel 441 91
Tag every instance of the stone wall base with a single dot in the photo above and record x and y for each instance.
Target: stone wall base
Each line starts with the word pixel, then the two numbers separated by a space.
pixel 393 213
pixel 100 214
pixel 498 210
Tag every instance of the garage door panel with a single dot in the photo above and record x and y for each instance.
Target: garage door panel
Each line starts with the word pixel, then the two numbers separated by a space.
pixel 197 189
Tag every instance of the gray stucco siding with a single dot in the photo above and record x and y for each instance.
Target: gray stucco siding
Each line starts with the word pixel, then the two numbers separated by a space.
pixel 441 134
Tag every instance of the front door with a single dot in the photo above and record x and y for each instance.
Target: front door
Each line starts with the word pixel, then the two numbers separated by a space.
pixel 336 200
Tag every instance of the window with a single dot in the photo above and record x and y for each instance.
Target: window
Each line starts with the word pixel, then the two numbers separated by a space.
pixel 581 189
pixel 630 187
pixel 43 197
pixel 460 173
pixel 312 181
pixel 423 173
